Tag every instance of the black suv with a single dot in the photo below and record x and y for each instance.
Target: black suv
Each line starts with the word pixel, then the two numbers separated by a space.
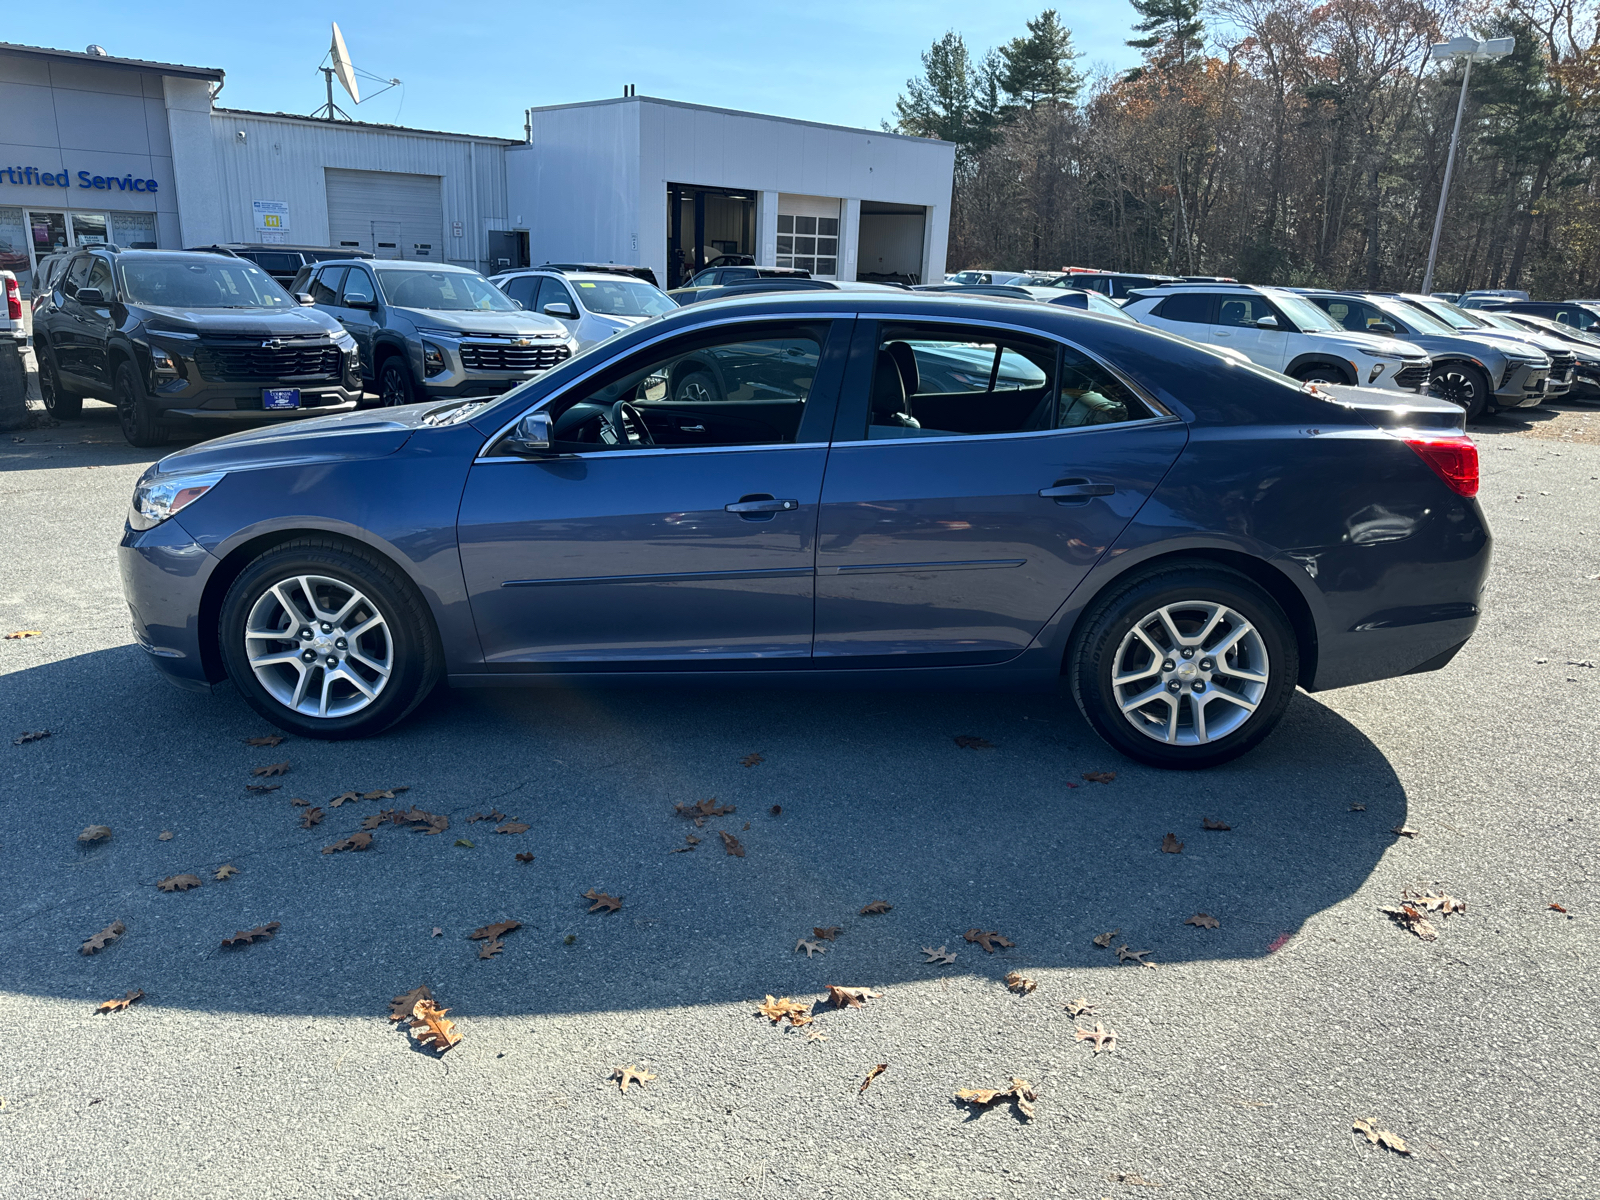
pixel 1580 314
pixel 283 263
pixel 173 337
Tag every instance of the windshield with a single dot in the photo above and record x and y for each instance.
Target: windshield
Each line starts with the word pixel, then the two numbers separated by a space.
pixel 1450 314
pixel 1306 315
pixel 1109 308
pixel 623 298
pixel 1421 321
pixel 452 291
pixel 1496 321
pixel 213 283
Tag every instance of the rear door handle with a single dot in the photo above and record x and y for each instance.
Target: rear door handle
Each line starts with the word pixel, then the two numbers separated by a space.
pixel 762 504
pixel 1067 490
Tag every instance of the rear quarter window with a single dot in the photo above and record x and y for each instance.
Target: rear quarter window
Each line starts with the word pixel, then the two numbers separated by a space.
pixel 1191 307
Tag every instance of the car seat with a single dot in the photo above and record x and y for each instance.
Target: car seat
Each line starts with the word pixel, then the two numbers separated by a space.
pixel 1234 312
pixel 906 359
pixel 889 405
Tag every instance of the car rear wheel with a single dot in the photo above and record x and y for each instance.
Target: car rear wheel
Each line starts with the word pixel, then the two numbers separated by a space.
pixel 135 413
pixel 1186 667
pixel 1464 384
pixel 394 383
pixel 58 403
pixel 1321 373
pixel 327 640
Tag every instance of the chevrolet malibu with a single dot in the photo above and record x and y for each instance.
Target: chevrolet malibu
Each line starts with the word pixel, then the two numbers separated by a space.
pixel 882 489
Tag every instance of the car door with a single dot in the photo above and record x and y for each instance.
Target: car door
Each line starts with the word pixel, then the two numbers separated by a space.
pixel 362 323
pixel 95 326
pixel 555 291
pixel 1237 314
pixel 65 324
pixel 955 543
pixel 600 554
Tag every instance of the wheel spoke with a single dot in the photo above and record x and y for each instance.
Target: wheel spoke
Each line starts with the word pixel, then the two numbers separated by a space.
pixel 311 598
pixel 1156 693
pixel 327 684
pixel 360 683
pixel 1178 640
pixel 1133 676
pixel 371 622
pixel 381 668
pixel 285 658
pixel 1154 649
pixel 1197 709
pixel 1172 716
pixel 300 684
pixel 1230 697
pixel 338 617
pixel 292 610
pixel 1232 672
pixel 1216 619
pixel 1229 642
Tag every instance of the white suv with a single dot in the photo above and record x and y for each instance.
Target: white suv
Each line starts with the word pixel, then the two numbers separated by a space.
pixel 1284 331
pixel 592 305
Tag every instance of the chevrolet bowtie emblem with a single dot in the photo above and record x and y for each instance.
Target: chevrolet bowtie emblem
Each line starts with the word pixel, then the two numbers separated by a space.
pixel 272 344
pixel 522 341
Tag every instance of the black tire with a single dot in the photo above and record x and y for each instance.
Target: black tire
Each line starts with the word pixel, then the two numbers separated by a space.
pixel 135 413
pixel 1322 373
pixel 394 383
pixel 413 650
pixel 1105 627
pixel 696 387
pixel 59 403
pixel 1465 384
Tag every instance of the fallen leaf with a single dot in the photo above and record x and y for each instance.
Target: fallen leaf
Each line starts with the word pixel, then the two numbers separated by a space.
pixel 1404 831
pixel 311 817
pixel 1103 1038
pixel 525 856
pixel 1204 921
pixel 95 833
pixel 1368 1128
pixel 376 819
pixel 24 633
pixel 876 907
pixel 1443 905
pixel 1080 1007
pixel 871 1075
pixel 601 900
pixel 1214 826
pixel 747 825
pixel 437 1033
pixel 437 932
pixel 1409 917
pixel 490 948
pixel 1104 940
pixel 262 787
pixel 1171 845
pixel 426 823
pixel 271 739
pixel 796 1012
pixel 344 798
pixel 296 802
pixel 777 810
pixel 272 769
pixel 810 947
pixel 1020 983
pixel 850 997
pixel 402 1005
pixel 988 940
pixel 465 842
pixel 751 760
pixel 631 1074
pixel 826 934
pixel 512 827
pixel 494 814
pixel 226 871
pixel 1554 907
pixel 121 1002
pixel 384 793
pixel 178 883
pixel 26 737
pixel 356 841
pixel 815 1035
pixel 1358 808
pixel 967 742
pixel 494 931
pixel 1099 776
pixel 1020 1093
pixel 731 844
pixel 244 937
pixel 1126 955
pixel 104 938
pixel 702 809
pixel 940 957
pixel 165 835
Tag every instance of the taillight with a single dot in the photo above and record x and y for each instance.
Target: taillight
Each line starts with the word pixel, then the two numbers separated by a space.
pixel 1453 459
pixel 13 300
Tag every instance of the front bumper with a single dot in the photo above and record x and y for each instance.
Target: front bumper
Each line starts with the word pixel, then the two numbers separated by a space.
pixel 1523 386
pixel 164 572
pixel 463 365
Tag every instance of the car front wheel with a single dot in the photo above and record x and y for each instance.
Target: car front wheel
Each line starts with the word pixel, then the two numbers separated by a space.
pixel 1321 373
pixel 135 413
pixel 327 640
pixel 1464 384
pixel 1185 667
pixel 394 383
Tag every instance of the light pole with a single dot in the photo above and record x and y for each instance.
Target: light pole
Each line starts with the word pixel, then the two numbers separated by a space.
pixel 1473 51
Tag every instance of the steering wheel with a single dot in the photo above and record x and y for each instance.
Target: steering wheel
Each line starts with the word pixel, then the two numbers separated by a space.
pixel 628 424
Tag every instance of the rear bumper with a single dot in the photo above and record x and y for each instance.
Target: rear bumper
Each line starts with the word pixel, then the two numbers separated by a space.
pixel 164 572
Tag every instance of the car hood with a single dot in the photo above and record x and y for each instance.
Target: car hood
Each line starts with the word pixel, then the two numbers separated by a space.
pixel 339 438
pixel 1388 346
pixel 240 322
pixel 1466 343
pixel 495 324
pixel 1515 343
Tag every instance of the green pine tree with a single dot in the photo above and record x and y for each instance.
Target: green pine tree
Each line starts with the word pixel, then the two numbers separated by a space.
pixel 1038 68
pixel 939 103
pixel 1173 29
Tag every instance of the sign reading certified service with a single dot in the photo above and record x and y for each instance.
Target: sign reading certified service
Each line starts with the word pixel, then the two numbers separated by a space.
pixel 33 177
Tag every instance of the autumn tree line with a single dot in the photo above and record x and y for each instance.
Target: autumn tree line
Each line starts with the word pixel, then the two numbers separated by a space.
pixel 1280 141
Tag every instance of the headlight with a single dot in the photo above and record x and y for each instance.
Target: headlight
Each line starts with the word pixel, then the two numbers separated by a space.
pixel 162 366
pixel 432 359
pixel 344 341
pixel 441 333
pixel 155 499
pixel 1378 353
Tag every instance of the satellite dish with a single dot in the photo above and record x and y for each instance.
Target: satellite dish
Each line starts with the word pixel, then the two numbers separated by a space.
pixel 342 66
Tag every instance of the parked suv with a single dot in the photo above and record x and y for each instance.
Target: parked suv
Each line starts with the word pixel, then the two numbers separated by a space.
pixel 1479 373
pixel 173 337
pixel 1579 314
pixel 717 276
pixel 591 306
pixel 283 263
pixel 429 330
pixel 1116 284
pixel 1586 346
pixel 1283 331
pixel 1557 359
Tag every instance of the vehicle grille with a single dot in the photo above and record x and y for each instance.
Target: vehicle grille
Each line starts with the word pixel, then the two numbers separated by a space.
pixel 252 362
pixel 1561 364
pixel 478 357
pixel 1413 377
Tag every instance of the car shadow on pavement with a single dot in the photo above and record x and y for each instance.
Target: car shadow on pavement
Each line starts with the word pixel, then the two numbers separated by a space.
pixel 856 797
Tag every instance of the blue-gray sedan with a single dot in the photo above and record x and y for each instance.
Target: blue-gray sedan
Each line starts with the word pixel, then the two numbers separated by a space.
pixel 842 487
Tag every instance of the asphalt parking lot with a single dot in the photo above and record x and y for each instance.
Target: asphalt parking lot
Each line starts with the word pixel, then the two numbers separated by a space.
pixel 1241 1058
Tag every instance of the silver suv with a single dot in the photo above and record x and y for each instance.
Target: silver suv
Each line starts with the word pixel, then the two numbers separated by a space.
pixel 592 305
pixel 432 331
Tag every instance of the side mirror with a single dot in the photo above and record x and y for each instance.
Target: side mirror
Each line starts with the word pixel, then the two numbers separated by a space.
pixel 1381 327
pixel 90 296
pixel 304 298
pixel 1266 322
pixel 366 302
pixel 561 309
pixel 531 436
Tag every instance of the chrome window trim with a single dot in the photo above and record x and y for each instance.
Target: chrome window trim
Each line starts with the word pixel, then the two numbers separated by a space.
pixel 609 454
pixel 1166 419
pixel 483 454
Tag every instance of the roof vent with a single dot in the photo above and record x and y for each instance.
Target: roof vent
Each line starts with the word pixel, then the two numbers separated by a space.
pixel 97 51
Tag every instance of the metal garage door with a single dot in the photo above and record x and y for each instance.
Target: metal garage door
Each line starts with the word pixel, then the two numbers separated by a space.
pixel 392 215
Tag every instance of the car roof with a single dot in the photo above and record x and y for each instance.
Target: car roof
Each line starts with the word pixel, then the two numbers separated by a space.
pixel 411 264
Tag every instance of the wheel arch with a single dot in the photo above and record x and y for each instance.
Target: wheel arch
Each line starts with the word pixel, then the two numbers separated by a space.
pixel 1320 358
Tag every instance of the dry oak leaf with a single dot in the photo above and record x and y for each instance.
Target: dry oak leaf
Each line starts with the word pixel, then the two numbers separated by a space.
pixel 344 798
pixel 271 739
pixel 967 742
pixel 121 1002
pixel 631 1074
pixel 796 1012
pixel 401 1006
pixel 1214 826
pixel 1443 905
pixel 1104 940
pixel 104 938
pixel 384 793
pixel 1103 1038
pixel 1019 983
pixel 701 809
pixel 427 823
pixel 296 802
pixel 1409 917
pixel 810 947
pixel 244 937
pixel 166 835
pixel 376 819
pixel 225 871
pixel 1404 831
pixel 1099 776
pixel 95 833
pixel 1368 1128
pixel 940 957
pixel 494 814
pixel 827 934
pixel 262 787
pixel 512 827
pixel 24 738
pixel 494 931
pixel 1204 921
pixel 1171 845
pixel 311 817
pixel 876 907
pixel 731 844
pixel 1080 1007
pixel 871 1075
pixel 437 1032
pixel 850 997
pixel 356 841
pixel 1137 956
pixel 1020 1093
pixel 751 760
pixel 601 900
pixel 24 633
pixel 272 769
pixel 988 940
pixel 178 883
pixel 525 857
pixel 490 948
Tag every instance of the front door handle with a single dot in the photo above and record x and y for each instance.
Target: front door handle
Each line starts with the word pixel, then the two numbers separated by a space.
pixel 1067 491
pixel 761 504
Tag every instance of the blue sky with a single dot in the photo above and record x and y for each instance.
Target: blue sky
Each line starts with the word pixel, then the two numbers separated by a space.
pixel 473 68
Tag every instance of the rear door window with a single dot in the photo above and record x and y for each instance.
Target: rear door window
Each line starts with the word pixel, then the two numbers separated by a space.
pixel 1190 307
pixel 522 289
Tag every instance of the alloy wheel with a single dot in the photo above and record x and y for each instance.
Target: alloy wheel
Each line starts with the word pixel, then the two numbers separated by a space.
pixel 1190 673
pixel 318 646
pixel 1456 387
pixel 393 391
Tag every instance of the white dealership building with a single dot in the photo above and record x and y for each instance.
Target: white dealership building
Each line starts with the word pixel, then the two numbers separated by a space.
pixel 95 148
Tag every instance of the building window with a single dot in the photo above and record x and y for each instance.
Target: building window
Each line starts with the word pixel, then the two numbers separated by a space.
pixel 134 231
pixel 809 243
